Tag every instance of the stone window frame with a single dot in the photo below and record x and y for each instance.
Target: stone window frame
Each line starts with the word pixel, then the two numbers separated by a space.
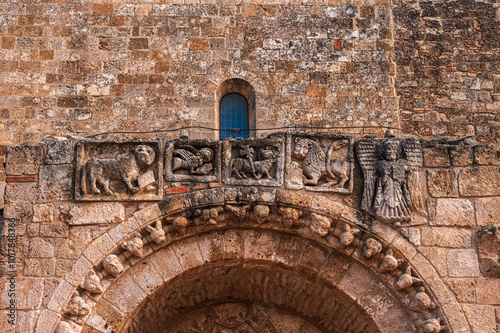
pixel 244 88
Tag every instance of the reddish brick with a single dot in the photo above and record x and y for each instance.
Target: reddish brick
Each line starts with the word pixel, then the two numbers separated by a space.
pixel 176 190
pixel 12 179
pixel 103 9
pixel 47 55
pixel 214 185
pixel 316 90
pixel 162 66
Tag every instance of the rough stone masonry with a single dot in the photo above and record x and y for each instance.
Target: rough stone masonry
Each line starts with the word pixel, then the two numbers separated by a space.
pixel 335 226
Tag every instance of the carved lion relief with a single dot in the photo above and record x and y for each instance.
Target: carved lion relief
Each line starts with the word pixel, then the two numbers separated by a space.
pixel 319 162
pixel 118 171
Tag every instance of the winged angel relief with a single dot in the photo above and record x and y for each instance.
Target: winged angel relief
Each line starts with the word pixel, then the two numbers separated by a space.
pixel 392 172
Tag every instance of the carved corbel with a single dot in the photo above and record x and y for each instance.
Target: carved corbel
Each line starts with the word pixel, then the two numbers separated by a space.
pixel 113 265
pixel 407 280
pixel 389 263
pixel 239 212
pixel 134 246
pixel 77 306
pixel 157 233
pixel 261 213
pixel 421 301
pixel 433 325
pixel 179 224
pixel 290 215
pixel 320 224
pixel 347 236
pixel 371 248
pixel 92 283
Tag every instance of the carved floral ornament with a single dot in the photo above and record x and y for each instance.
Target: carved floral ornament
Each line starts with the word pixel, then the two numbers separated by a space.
pixel 339 229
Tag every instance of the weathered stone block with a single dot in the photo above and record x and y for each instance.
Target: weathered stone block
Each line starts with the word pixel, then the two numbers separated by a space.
pixel 24 160
pixel 488 291
pixel 446 237
pixel 60 152
pixel 92 213
pixel 43 213
pixel 462 263
pixel 485 155
pixel 481 318
pixel 479 181
pixel 442 183
pixel 436 157
pixel 488 245
pixel 452 212
pixel 488 211
pixel 461 155
pixel 54 183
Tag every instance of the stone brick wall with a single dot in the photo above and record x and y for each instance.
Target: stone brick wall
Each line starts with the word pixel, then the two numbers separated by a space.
pixel 447 59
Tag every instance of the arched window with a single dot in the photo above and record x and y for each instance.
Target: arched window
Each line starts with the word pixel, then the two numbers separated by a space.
pixel 235 100
pixel 233 114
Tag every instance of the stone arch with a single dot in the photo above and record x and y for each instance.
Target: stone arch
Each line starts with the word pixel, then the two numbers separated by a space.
pixel 313 219
pixel 244 88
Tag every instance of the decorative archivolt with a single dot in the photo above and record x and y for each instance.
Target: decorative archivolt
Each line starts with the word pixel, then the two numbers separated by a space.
pixel 375 245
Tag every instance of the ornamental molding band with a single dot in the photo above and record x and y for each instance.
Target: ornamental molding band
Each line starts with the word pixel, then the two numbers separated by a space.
pixel 118 171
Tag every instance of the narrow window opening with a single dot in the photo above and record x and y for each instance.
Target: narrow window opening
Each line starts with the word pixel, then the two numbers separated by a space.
pixel 233 114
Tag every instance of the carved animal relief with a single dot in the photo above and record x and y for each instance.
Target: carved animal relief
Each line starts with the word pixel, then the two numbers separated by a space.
pixel 392 177
pixel 319 162
pixel 192 160
pixel 115 171
pixel 254 162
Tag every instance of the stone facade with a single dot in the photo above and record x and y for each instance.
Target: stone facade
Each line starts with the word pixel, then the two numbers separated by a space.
pixel 148 228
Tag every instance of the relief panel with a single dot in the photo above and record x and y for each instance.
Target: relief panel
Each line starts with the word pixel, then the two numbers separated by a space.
pixel 193 160
pixel 253 162
pixel 118 171
pixel 319 162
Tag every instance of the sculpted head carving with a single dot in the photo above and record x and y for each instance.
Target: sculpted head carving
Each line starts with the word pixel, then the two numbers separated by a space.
pixel 390 150
pixel 113 265
pixel 145 155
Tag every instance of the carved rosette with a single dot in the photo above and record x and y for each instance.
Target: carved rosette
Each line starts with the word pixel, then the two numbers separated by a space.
pixel 118 171
pixel 193 160
pixel 319 162
pixel 253 162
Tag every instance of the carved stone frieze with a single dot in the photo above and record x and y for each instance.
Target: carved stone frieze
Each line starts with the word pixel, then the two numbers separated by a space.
pixel 392 178
pixel 193 160
pixel 77 306
pixel 92 283
pixel 253 162
pixel 113 265
pixel 319 162
pixel 118 171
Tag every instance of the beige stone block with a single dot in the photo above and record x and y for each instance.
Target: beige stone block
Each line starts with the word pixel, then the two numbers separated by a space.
pixel 123 230
pixel 60 296
pixel 211 247
pixel 188 253
pixel 446 237
pixel 442 183
pixel 260 244
pixel 327 206
pixel 335 267
pixel 423 267
pixel 290 252
pixel 488 291
pixel 232 244
pixel 384 231
pixel 403 246
pixel 488 211
pixel 462 263
pixel 146 276
pixel 166 263
pixel 456 317
pixel 78 271
pixel 479 181
pixel 356 281
pixel 147 214
pixel 385 310
pixel 453 212
pixel 125 294
pixel 98 248
pixel 5 326
pixel 481 318
pixel 41 248
pixel 463 288
pixel 92 213
pixel 437 257
pixel 29 293
pixel 43 213
pixel 26 321
pixel 39 267
pixel 105 317
pixel 313 257
pixel 47 321
pixel 294 199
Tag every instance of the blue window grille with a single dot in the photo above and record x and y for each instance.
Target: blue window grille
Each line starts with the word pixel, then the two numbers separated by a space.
pixel 233 114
